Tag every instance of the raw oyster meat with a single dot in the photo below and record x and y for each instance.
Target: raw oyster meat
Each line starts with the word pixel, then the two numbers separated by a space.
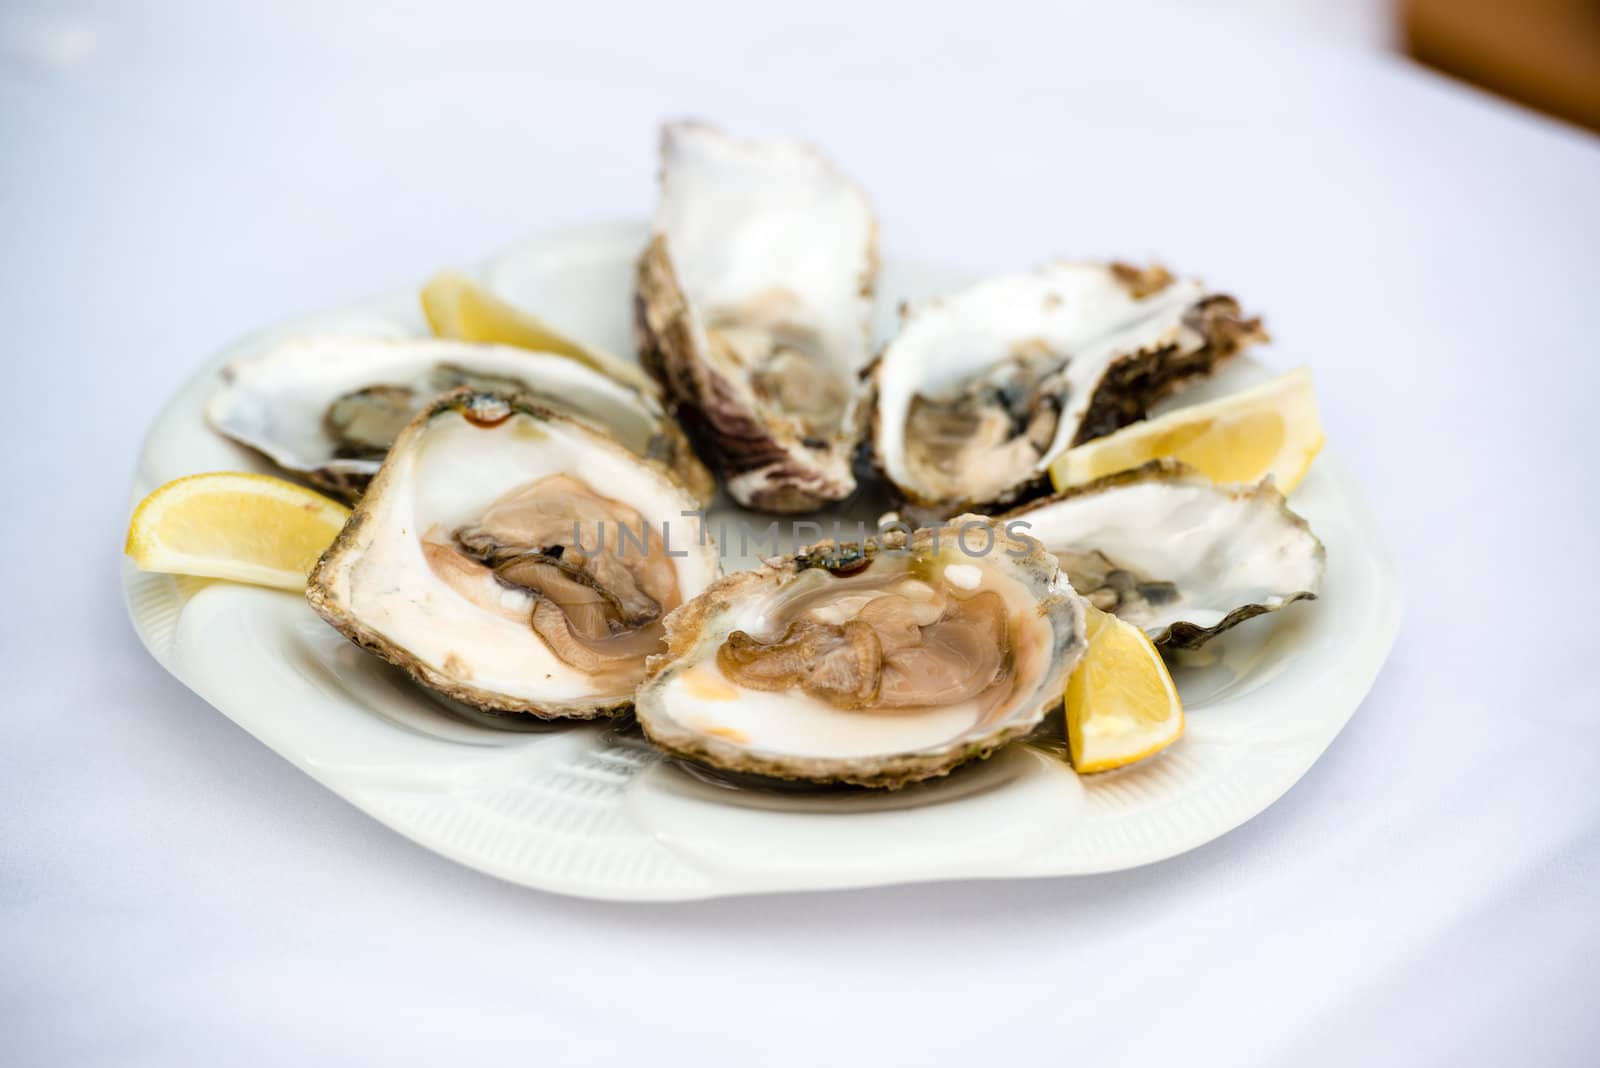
pixel 514 559
pixel 753 308
pixel 875 664
pixel 327 407
pixel 1175 554
pixel 980 390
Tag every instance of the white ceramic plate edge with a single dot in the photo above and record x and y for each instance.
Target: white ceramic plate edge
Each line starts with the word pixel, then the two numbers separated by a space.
pixel 1123 840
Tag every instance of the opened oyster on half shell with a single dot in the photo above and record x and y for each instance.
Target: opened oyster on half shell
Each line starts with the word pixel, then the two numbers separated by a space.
pixel 877 664
pixel 980 390
pixel 1175 554
pixel 514 559
pixel 753 307
pixel 328 407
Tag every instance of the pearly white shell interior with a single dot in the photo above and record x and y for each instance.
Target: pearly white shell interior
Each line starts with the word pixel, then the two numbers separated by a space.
pixel 744 218
pixel 1074 309
pixel 274 400
pixel 700 698
pixel 1225 547
pixel 446 477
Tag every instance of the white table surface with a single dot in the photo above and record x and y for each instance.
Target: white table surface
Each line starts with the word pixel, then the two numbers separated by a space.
pixel 171 892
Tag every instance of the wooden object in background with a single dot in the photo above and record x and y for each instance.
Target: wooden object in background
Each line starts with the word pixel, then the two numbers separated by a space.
pixel 1543 53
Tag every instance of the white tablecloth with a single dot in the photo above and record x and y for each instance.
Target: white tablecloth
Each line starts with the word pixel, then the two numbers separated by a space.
pixel 171 892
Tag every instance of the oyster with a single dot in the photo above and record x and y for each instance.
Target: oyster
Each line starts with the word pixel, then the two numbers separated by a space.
pixel 1171 552
pixel 753 307
pixel 327 407
pixel 979 391
pixel 514 559
pixel 879 664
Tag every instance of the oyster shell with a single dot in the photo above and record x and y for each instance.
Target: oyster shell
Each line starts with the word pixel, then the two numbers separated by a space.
pixel 514 559
pixel 753 307
pixel 876 664
pixel 327 407
pixel 1175 554
pixel 980 390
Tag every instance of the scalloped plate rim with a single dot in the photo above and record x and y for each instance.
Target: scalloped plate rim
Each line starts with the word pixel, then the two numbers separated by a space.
pixel 152 599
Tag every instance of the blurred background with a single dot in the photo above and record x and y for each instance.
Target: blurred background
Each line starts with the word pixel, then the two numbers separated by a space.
pixel 1544 54
pixel 178 172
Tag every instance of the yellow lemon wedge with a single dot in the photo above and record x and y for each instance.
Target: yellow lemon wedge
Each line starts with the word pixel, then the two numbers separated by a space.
pixel 1121 704
pixel 1272 429
pixel 227 525
pixel 459 307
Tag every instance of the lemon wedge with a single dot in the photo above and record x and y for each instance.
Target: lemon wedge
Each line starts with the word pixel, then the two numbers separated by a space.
pixel 1272 429
pixel 459 307
pixel 247 528
pixel 1121 704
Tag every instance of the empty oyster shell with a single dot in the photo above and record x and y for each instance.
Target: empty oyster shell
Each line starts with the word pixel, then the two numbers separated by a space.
pixel 980 390
pixel 514 559
pixel 1171 552
pixel 878 664
pixel 327 407
pixel 754 299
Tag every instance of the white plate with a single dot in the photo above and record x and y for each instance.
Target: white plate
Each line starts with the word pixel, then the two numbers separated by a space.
pixel 594 811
